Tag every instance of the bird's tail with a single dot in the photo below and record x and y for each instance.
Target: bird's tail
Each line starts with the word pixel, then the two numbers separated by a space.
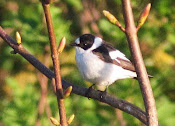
pixel 148 76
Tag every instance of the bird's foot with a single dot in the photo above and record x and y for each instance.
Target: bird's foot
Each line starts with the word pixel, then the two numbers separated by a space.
pixel 103 94
pixel 88 91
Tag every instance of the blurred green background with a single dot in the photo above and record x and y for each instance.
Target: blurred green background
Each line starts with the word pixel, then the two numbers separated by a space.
pixel 20 82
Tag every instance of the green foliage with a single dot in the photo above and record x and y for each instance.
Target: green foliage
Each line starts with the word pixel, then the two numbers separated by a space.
pixel 18 110
pixel 167 116
pixel 19 90
pixel 74 3
pixel 32 26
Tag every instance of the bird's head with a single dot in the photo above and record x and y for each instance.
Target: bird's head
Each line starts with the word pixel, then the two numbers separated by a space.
pixel 87 41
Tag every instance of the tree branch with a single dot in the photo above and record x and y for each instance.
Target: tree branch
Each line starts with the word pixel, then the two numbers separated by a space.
pixel 115 102
pixel 131 33
pixel 56 64
pixel 110 100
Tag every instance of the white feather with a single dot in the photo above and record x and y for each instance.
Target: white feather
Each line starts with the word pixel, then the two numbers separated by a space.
pixel 97 42
pixel 99 72
pixel 77 41
pixel 117 53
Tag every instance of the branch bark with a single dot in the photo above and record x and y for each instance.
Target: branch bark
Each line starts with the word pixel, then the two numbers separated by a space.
pixel 56 64
pixel 110 100
pixel 131 33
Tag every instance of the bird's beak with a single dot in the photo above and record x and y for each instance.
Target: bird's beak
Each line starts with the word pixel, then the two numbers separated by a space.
pixel 73 44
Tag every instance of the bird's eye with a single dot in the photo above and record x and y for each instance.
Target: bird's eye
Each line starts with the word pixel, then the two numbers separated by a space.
pixel 85 44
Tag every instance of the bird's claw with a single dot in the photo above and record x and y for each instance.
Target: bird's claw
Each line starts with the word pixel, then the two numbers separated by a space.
pixel 88 92
pixel 103 94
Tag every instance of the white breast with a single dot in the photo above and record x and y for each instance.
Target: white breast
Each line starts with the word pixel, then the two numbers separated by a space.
pixel 96 71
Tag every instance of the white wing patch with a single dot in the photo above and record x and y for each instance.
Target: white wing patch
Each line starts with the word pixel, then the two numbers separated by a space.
pixel 117 54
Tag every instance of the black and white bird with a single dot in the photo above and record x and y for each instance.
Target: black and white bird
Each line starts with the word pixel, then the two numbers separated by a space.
pixel 99 62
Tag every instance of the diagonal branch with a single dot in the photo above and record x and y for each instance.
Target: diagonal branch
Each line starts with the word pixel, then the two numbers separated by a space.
pixel 110 100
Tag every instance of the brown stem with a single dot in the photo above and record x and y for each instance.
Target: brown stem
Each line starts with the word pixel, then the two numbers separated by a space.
pixel 88 17
pixel 56 64
pixel 43 80
pixel 43 97
pixel 131 33
pixel 112 101
pixel 48 110
pixel 120 118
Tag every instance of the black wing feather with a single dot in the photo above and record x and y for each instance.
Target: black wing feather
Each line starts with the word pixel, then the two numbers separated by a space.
pixel 103 53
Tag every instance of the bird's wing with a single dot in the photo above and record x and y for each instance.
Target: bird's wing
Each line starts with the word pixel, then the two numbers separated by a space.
pixel 122 60
pixel 109 54
pixel 103 52
pixel 117 54
pixel 126 64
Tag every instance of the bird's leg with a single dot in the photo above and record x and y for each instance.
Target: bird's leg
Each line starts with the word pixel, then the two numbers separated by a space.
pixel 103 93
pixel 88 91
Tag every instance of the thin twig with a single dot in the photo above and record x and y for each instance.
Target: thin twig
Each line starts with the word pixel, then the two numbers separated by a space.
pixel 43 80
pixel 89 16
pixel 56 64
pixel 43 97
pixel 131 33
pixel 120 118
pixel 110 100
